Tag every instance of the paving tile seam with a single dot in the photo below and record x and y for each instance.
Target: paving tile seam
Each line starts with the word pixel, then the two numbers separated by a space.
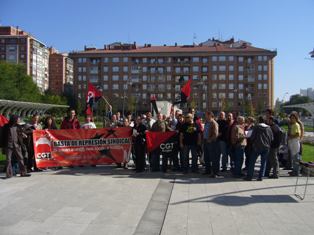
pixel 158 204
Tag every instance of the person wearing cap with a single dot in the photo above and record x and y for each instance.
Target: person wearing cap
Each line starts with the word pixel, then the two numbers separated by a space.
pixel 190 138
pixel 12 141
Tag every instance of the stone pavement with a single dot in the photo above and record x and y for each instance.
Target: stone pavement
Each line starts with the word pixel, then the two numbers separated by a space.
pixel 107 200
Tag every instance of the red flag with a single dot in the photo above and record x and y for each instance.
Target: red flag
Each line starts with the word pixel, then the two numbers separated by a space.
pixel 186 91
pixel 3 120
pixel 154 139
pixel 93 95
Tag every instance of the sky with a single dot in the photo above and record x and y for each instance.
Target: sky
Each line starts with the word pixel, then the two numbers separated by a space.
pixel 284 25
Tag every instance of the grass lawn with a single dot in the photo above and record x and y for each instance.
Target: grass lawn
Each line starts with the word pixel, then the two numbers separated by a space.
pixel 306 128
pixel 2 158
pixel 308 153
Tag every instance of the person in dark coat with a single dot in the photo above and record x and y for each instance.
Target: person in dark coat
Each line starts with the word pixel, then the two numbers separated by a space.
pixel 12 142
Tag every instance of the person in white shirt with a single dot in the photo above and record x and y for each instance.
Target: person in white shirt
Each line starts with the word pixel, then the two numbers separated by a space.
pixel 89 124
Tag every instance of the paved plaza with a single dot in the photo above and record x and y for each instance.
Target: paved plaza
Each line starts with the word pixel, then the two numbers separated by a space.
pixel 108 200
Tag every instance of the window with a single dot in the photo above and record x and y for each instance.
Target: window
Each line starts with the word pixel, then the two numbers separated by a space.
pixel 240 59
pixel 195 59
pixel 125 69
pixel 259 86
pixel 214 95
pixel 106 59
pixel 177 88
pixel 222 68
pixel 168 77
pixel 222 58
pixel 259 58
pixel 82 60
pixel 105 86
pixel 195 77
pixel 93 78
pixel 231 86
pixel 214 86
pixel 93 70
pixel 240 68
pixel 144 86
pixel 125 59
pixel 240 86
pixel 214 77
pixel 214 68
pixel 222 95
pixel 160 60
pixel 214 58
pixel 125 77
pixel 178 69
pixel 259 68
pixel 265 57
pixel 144 69
pixel 168 86
pixel 106 69
pixel 265 67
pixel 230 58
pixel 265 86
pixel 144 95
pixel 152 69
pixel 265 77
pixel 115 69
pixel 205 60
pixel 195 69
pixel 230 95
pixel 168 95
pixel 125 86
pixel 115 86
pixel 231 68
pixel 221 86
pixel 94 61
pixel 144 78
pixel 115 77
pixel 115 59
pixel 231 77
pixel 82 69
pixel 186 69
pixel 240 78
pixel 169 69
pixel 240 95
pixel 144 60
pixel 160 69
pixel 222 77
pixel 204 78
pixel 259 77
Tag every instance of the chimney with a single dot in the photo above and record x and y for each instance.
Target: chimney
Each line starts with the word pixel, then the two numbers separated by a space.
pixel 176 44
pixel 105 47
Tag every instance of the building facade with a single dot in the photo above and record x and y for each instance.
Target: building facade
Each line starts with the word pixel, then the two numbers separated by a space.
pixel 309 92
pixel 60 72
pixel 17 46
pixel 226 75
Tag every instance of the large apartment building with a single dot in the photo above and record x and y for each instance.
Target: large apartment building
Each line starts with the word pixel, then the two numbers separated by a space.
pixel 60 72
pixel 17 46
pixel 226 74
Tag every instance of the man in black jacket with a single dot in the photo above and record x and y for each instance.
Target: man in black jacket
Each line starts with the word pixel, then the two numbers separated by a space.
pixel 273 162
pixel 261 138
pixel 12 142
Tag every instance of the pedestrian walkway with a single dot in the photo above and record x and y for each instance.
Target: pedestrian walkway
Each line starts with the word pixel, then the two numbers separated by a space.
pixel 107 200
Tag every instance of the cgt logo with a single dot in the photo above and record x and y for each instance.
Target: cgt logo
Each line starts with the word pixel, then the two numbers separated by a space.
pixel 43 156
pixel 43 140
pixel 166 148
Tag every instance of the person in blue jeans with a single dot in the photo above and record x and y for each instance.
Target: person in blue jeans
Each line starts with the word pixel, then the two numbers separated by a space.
pixel 190 139
pixel 261 138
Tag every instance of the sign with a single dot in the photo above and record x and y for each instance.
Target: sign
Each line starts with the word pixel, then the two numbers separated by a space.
pixel 82 147
pixel 165 142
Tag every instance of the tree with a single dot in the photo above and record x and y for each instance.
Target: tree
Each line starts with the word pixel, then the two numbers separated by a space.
pixel 298 99
pixel 16 84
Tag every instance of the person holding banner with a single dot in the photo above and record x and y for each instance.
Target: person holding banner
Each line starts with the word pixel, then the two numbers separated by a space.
pixel 190 138
pixel 89 124
pixel 139 144
pixel 70 121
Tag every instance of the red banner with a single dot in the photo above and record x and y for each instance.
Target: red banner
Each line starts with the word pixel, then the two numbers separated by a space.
pixel 82 147
pixel 154 140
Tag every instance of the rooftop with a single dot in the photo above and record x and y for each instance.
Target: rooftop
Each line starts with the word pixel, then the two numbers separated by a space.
pixel 211 45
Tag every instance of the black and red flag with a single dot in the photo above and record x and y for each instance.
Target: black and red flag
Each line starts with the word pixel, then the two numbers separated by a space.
pixel 185 92
pixel 93 95
pixel 164 141
pixel 154 104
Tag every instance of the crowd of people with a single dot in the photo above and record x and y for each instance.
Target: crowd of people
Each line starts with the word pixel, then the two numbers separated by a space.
pixel 229 142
